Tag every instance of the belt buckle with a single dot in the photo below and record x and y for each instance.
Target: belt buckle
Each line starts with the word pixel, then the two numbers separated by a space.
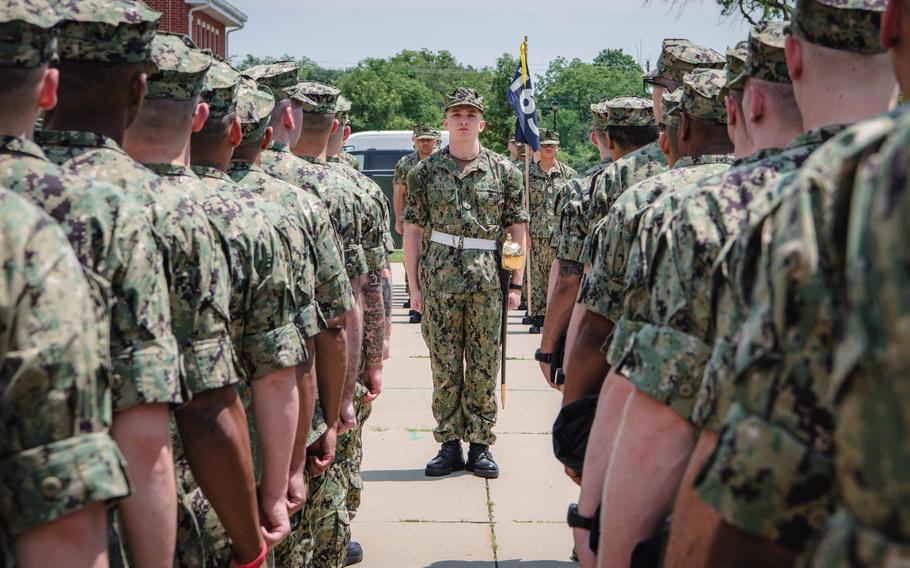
pixel 460 245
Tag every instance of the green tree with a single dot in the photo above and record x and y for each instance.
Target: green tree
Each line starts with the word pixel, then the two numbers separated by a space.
pixel 753 11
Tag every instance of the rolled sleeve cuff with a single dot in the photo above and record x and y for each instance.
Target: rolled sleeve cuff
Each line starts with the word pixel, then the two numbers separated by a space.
pixel 764 481
pixel 335 296
pixel 355 261
pixel 375 257
pixel 147 373
pixel 318 426
pixel 515 218
pixel 411 216
pixel 569 248
pixel 618 344
pixel 44 483
pixel 273 350
pixel 309 320
pixel 604 299
pixel 667 365
pixel 209 364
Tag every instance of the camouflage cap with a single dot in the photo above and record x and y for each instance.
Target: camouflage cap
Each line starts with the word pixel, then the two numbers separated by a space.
pixel 254 108
pixel 736 64
pixel 766 60
pixel 700 95
pixel 317 98
pixel 669 112
pixel 630 111
pixel 549 137
pixel 600 114
pixel 343 109
pixel 106 31
pixel 220 88
pixel 27 37
pixel 280 77
pixel 845 25
pixel 464 96
pixel 679 56
pixel 181 68
pixel 426 131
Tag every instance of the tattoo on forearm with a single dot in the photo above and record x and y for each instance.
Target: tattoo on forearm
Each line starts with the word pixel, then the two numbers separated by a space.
pixel 570 268
pixel 387 296
pixel 373 317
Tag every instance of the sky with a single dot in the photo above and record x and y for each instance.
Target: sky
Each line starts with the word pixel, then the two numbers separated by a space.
pixel 339 33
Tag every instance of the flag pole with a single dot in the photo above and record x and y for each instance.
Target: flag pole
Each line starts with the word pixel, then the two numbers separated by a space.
pixel 527 201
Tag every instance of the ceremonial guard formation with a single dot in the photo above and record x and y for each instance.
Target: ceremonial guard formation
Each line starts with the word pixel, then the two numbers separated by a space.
pixel 196 298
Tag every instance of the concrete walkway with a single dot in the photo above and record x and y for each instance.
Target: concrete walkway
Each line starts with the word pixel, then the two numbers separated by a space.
pixel 461 521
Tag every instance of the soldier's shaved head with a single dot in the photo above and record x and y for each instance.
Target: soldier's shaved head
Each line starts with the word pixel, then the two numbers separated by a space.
pixel 19 95
pixel 90 89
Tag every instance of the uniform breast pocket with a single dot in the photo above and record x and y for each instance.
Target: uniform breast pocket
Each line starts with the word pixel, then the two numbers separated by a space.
pixel 489 205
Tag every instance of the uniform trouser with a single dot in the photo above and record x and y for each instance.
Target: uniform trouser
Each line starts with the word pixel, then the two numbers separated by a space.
pixel 542 255
pixel 333 498
pixel 462 333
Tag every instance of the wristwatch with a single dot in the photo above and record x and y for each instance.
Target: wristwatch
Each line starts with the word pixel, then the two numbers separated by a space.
pixel 513 286
pixel 543 357
pixel 576 521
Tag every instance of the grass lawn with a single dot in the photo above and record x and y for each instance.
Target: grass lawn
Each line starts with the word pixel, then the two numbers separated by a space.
pixel 396 256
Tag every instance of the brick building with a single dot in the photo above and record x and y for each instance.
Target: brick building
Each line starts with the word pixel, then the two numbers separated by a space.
pixel 208 22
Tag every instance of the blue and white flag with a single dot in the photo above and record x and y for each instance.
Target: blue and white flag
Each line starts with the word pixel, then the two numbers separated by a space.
pixel 521 97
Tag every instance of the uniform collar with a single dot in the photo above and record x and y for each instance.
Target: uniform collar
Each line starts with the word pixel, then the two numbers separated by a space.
pixel 816 136
pixel 279 147
pixel 313 160
pixel 76 139
pixel 244 167
pixel 480 163
pixel 206 171
pixel 24 146
pixel 757 156
pixel 175 170
pixel 704 159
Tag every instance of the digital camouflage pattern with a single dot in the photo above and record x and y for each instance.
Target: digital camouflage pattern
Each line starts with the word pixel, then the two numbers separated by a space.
pixel 679 56
pixel 595 169
pixel 350 160
pixel 254 109
pixel 630 111
pixel 461 288
pixel 377 238
pixel 27 38
pixel 766 60
pixel 602 289
pixel 872 402
pixel 728 301
pixel 333 290
pixel 262 299
pixel 600 112
pixel 701 88
pixel 736 64
pixel 113 238
pixel 318 98
pixel 549 137
pixel 581 215
pixel 342 111
pixel 464 96
pixel 334 191
pixel 847 25
pixel 56 456
pixel 106 31
pixel 779 391
pixel 280 77
pixel 181 68
pixel 404 166
pixel 219 90
pixel 668 115
pixel 544 189
pixel 197 272
pixel 424 131
pixel 666 357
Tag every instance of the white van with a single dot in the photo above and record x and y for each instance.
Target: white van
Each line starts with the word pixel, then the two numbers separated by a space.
pixel 379 150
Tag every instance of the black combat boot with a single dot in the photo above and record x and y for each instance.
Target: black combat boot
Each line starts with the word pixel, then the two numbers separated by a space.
pixel 416 317
pixel 523 305
pixel 354 554
pixel 480 461
pixel 536 325
pixel 407 304
pixel 527 320
pixel 448 460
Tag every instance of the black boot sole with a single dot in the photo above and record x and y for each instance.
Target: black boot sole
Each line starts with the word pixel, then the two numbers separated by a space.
pixel 442 472
pixel 483 474
pixel 351 560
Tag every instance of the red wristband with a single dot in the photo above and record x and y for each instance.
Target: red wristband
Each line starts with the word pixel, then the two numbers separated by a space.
pixel 255 563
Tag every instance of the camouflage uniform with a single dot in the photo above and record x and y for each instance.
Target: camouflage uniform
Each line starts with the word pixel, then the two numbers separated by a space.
pixel 661 342
pixel 772 471
pixel 869 388
pixel 461 287
pixel 350 161
pixel 56 455
pixel 543 190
